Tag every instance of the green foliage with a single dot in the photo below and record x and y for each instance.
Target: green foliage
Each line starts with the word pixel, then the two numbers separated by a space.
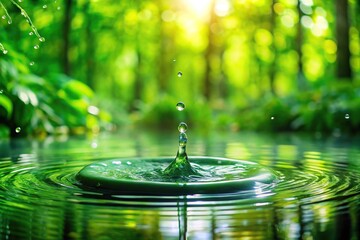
pixel 327 109
pixel 270 63
pixel 37 105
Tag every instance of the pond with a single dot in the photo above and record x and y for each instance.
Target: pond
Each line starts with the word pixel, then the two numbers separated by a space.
pixel 316 195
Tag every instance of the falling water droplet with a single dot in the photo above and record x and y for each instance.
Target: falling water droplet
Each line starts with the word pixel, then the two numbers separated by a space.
pixel 182 127
pixel 45 6
pixel 41 39
pixel 180 106
pixel 18 129
pixel 179 74
pixel 31 63
pixel 347 116
pixel 36 47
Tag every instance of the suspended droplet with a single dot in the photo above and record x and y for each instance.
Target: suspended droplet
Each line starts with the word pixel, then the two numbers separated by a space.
pixel 36 47
pixel 31 33
pixel 182 127
pixel 31 63
pixel 18 129
pixel 179 74
pixel 41 39
pixel 347 116
pixel 180 106
pixel 272 118
pixel 45 6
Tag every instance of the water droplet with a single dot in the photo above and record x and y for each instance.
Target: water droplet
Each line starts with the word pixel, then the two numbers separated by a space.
pixel 19 0
pixel 31 33
pixel 182 127
pixel 9 21
pixel 58 8
pixel 36 47
pixel 1 91
pixel 31 63
pixel 174 60
pixel 180 106
pixel 5 51
pixel 41 39
pixel 45 6
pixel 18 129
pixel 23 13
pixel 347 116
pixel 179 74
pixel 3 17
pixel 272 118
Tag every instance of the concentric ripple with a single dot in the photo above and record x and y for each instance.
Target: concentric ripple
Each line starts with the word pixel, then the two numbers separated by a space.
pixel 40 197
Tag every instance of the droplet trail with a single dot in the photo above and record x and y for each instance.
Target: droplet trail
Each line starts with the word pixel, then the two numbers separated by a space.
pixel 180 106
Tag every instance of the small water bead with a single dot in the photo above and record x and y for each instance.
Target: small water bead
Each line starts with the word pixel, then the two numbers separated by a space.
pixel 5 51
pixel 347 116
pixel 182 127
pixel 45 6
pixel 36 47
pixel 41 39
pixel 179 74
pixel 1 91
pixel 180 106
pixel 18 129
pixel 31 63
pixel 9 21
pixel 272 118
pixel 3 17
pixel 31 33
pixel 58 8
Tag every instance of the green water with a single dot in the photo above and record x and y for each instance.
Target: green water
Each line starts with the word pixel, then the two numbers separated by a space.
pixel 316 196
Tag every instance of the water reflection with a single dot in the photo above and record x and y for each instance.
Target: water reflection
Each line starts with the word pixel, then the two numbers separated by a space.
pixel 316 198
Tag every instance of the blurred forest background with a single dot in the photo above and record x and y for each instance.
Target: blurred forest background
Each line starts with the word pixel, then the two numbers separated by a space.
pixel 68 66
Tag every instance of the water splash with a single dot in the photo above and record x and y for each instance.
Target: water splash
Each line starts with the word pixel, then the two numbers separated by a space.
pixel 181 167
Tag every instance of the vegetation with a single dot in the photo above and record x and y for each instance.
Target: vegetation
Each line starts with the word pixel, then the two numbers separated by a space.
pixel 276 65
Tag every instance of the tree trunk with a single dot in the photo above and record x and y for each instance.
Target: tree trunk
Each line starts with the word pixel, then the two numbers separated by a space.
pixel 90 48
pixel 301 80
pixel 66 36
pixel 342 36
pixel 207 83
pixel 272 73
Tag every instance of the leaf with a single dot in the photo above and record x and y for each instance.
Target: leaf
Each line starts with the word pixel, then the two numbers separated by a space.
pixel 6 103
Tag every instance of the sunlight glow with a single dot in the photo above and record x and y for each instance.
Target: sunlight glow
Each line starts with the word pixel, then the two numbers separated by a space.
pixel 199 7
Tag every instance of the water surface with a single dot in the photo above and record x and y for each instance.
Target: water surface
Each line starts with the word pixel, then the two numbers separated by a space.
pixel 316 197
